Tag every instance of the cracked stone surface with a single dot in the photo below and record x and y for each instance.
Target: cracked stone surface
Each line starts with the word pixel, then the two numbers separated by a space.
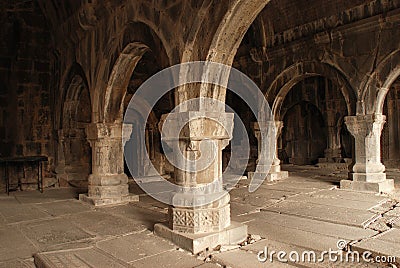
pixel 303 212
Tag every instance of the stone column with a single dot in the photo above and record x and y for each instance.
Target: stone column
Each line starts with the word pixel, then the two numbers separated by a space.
pixel 333 153
pixel 108 184
pixel 195 224
pixel 274 172
pixel 368 173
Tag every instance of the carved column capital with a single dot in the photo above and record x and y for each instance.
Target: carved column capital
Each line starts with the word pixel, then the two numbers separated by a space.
pixel 365 125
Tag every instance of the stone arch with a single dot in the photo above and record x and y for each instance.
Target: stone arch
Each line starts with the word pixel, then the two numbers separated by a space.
pixel 119 80
pixel 226 40
pixel 232 29
pixel 74 71
pixel 74 153
pixel 377 87
pixel 136 39
pixel 284 82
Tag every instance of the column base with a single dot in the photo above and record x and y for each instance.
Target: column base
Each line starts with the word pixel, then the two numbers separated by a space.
pixel 271 176
pixel 385 186
pixel 368 177
pixel 333 165
pixel 112 201
pixel 195 243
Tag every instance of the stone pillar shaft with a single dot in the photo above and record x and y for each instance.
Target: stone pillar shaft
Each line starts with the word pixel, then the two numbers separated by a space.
pixel 108 184
pixel 264 151
pixel 368 171
pixel 197 166
pixel 367 134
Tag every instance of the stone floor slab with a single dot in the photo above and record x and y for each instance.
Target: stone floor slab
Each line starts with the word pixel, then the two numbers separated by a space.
pixel 269 246
pixel 243 259
pixel 104 224
pixel 64 207
pixel 238 208
pixel 392 236
pixel 79 258
pixel 308 225
pixel 134 247
pixel 309 240
pixel 19 213
pixel 14 245
pixel 332 198
pixel 173 258
pixel 346 216
pixel 140 215
pixel 49 195
pixel 17 264
pixel 379 247
pixel 55 234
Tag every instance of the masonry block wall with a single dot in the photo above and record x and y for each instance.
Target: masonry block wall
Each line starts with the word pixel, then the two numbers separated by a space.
pixel 25 75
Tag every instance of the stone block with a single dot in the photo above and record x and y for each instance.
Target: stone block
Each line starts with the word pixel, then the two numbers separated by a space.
pixel 104 180
pixel 56 234
pixel 108 191
pixel 368 177
pixel 271 176
pixel 386 186
pixel 118 200
pixel 195 243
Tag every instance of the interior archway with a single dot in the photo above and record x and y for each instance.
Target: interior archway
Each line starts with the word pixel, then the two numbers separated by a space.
pixel 304 134
pixel 313 130
pixel 75 160
pixel 389 140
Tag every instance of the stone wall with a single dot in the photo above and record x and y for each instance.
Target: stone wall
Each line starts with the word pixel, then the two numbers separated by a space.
pixel 25 75
pixel 344 46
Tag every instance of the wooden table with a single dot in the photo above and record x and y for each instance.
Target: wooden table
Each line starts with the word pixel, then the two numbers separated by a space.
pixel 36 161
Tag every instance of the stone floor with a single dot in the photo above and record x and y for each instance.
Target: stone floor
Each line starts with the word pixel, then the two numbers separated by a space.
pixel 305 212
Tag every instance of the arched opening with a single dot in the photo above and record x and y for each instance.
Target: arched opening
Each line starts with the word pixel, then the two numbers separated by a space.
pixel 390 135
pixel 143 57
pixel 312 113
pixel 304 135
pixel 75 160
pixel 244 116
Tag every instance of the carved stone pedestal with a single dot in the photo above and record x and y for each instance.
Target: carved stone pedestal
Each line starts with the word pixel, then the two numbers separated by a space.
pixel 368 173
pixel 108 184
pixel 199 215
pixel 234 234
pixel 199 228
pixel 108 190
